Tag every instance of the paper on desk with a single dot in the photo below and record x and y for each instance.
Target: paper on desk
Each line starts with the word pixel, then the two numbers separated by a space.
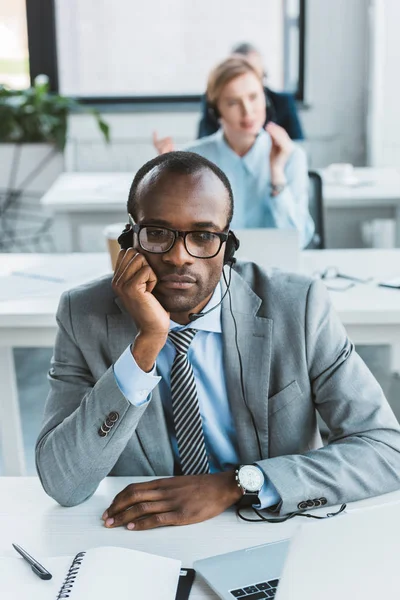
pixel 106 572
pixel 44 280
pixel 16 287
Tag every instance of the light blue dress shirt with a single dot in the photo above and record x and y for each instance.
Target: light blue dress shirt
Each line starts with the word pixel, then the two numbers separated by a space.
pixel 250 178
pixel 206 357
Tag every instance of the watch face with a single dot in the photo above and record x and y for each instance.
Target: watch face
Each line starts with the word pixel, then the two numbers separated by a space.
pixel 251 478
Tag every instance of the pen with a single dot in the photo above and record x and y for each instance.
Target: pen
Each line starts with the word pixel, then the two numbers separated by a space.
pixel 37 568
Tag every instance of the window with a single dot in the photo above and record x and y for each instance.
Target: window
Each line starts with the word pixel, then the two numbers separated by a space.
pixel 157 51
pixel 14 61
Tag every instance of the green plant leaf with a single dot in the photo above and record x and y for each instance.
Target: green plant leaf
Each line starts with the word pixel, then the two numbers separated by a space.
pixel 36 115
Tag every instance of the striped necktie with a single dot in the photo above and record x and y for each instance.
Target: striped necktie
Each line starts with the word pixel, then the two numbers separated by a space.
pixel 185 407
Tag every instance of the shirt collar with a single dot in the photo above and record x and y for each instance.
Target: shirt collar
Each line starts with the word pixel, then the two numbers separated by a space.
pixel 210 322
pixel 260 149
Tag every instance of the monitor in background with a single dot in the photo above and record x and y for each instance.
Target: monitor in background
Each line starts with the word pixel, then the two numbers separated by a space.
pixel 270 247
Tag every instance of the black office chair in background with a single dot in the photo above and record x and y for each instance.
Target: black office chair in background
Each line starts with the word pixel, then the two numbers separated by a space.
pixel 316 208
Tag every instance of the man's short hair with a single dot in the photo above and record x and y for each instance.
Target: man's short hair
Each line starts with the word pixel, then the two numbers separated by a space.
pixel 181 163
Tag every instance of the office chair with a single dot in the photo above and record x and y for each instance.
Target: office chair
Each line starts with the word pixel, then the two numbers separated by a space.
pixel 316 208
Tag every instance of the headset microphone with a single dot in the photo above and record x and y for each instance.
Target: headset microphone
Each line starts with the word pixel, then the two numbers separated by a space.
pixel 195 316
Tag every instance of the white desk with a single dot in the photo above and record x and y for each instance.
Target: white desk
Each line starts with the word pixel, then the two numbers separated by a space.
pixel 30 322
pixel 83 203
pixel 371 316
pixel 33 520
pixel 377 188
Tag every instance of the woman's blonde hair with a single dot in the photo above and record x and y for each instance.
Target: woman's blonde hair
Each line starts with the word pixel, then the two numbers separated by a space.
pixel 224 72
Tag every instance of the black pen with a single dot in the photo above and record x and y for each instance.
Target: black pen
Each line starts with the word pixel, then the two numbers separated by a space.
pixel 37 568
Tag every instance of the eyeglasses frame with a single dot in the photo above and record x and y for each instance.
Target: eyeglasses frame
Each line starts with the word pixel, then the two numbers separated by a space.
pixel 223 236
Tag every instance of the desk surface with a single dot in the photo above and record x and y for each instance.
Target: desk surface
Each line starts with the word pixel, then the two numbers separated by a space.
pixel 374 186
pixel 81 192
pixel 32 519
pixel 362 304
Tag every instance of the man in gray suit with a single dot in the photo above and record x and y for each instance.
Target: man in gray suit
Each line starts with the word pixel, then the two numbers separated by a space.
pixel 184 367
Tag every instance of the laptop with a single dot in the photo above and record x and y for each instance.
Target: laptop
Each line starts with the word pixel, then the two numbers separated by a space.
pixel 351 556
pixel 270 247
pixel 249 574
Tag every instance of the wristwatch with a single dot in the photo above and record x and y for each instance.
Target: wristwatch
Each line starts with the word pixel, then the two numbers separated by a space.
pixel 250 479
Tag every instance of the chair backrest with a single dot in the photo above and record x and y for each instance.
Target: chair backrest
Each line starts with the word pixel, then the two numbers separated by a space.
pixel 316 208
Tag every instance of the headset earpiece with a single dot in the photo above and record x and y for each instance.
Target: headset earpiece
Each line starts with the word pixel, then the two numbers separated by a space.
pixel 232 244
pixel 213 113
pixel 125 240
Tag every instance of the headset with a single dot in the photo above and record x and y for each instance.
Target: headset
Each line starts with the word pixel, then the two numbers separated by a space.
pixel 232 244
pixel 214 115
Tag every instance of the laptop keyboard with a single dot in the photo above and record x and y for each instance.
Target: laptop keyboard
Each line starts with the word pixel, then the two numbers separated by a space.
pixel 265 589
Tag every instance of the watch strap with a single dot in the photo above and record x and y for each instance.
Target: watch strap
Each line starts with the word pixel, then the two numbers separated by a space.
pixel 248 499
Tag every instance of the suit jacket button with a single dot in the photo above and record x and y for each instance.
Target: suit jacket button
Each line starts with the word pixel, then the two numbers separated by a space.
pixel 109 423
pixel 302 505
pixel 101 433
pixel 113 416
pixel 310 503
pixel 323 501
pixel 317 502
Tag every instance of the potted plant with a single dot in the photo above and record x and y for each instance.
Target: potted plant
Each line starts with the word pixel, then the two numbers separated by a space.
pixel 33 134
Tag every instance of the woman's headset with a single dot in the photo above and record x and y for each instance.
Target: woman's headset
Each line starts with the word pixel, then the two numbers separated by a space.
pixel 232 244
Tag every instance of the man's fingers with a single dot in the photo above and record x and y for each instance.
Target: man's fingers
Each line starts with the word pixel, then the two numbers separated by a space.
pixel 155 138
pixel 120 257
pixel 124 258
pixel 158 520
pixel 134 494
pixel 141 280
pixel 130 265
pixel 138 511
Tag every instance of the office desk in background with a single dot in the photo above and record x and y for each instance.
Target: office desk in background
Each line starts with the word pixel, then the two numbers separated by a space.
pixel 33 520
pixel 84 203
pixel 370 314
pixel 376 194
pixel 27 319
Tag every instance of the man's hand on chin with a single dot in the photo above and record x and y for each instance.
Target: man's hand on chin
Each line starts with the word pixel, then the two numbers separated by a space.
pixel 173 501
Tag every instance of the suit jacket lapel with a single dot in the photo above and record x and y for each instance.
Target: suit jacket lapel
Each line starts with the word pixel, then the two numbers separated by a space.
pixel 152 429
pixel 254 335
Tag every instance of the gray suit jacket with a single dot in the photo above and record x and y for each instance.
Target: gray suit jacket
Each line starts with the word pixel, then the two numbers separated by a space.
pixel 296 359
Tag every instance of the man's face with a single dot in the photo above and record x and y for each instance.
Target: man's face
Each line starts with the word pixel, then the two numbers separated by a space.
pixel 198 202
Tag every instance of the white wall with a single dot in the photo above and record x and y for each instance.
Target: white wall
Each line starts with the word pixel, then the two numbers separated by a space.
pixel 384 119
pixel 337 81
pixel 336 84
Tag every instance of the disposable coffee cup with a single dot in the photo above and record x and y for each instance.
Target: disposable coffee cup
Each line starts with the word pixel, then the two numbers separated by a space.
pixel 112 233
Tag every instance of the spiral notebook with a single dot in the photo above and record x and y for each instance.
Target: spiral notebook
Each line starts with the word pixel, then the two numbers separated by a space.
pixel 105 572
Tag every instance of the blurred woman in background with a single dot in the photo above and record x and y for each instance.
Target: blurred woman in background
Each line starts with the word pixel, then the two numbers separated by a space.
pixel 267 171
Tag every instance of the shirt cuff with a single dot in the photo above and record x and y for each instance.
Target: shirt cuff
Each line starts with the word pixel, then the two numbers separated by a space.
pixel 135 384
pixel 268 495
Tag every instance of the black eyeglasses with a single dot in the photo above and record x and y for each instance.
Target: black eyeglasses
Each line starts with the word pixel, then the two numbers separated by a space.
pixel 199 244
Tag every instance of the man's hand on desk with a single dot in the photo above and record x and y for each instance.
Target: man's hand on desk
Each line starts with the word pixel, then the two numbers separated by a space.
pixel 173 501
